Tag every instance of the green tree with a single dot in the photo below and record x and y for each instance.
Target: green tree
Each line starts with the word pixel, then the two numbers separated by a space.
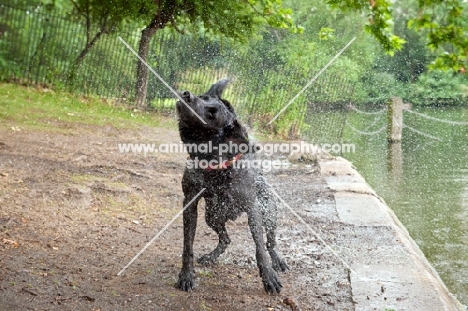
pixel 439 88
pixel 380 20
pixel 412 60
pixel 232 19
pixel 325 33
pixel 100 17
pixel 444 23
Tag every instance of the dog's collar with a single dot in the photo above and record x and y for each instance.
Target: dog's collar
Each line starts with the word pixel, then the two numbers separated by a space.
pixel 225 164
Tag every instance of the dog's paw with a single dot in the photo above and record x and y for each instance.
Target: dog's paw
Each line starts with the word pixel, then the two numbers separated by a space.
pixel 271 281
pixel 280 265
pixel 206 260
pixel 186 281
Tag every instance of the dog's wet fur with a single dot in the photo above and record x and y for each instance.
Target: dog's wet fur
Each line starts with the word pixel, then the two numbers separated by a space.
pixel 228 191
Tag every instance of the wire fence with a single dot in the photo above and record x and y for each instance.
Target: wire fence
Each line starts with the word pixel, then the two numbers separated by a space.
pixel 436 119
pixel 370 127
pixel 40 47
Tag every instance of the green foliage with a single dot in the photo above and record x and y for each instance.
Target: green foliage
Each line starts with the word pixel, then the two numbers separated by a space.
pixel 380 86
pixel 7 65
pixel 412 60
pixel 238 20
pixel 380 22
pixel 100 18
pixel 444 24
pixel 440 88
pixel 269 68
pixel 404 74
pixel 326 33
pixel 446 28
pixel 275 14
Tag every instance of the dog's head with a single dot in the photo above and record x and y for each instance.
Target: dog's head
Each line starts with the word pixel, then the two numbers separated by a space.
pixel 216 112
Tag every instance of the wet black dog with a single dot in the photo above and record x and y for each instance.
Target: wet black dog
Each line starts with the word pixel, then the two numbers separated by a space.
pixel 230 189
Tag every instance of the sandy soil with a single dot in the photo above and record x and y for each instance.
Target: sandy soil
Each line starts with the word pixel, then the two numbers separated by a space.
pixel 74 211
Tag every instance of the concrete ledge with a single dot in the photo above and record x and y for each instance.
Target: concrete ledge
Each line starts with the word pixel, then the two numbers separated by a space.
pixel 361 210
pixel 383 287
pixel 411 284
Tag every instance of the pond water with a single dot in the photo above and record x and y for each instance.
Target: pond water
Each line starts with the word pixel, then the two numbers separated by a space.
pixel 425 183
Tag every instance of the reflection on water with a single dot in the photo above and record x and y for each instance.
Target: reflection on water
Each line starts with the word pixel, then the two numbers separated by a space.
pixel 426 183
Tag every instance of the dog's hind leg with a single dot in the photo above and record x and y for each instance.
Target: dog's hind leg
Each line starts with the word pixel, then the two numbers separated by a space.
pixel 210 258
pixel 216 222
pixel 268 207
pixel 277 262
pixel 270 279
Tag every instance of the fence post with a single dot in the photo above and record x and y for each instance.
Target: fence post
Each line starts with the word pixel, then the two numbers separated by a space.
pixel 394 131
pixel 395 161
pixel 395 120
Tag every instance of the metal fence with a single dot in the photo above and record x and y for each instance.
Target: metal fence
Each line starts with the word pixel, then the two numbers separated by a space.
pixel 40 47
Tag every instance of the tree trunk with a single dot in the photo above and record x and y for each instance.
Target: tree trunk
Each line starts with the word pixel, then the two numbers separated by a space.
pixel 88 47
pixel 142 70
pixel 83 53
pixel 159 21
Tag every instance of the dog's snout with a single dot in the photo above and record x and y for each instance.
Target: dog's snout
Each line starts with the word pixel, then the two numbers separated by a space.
pixel 212 110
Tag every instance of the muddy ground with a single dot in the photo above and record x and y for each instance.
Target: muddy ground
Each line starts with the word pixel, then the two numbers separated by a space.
pixel 74 211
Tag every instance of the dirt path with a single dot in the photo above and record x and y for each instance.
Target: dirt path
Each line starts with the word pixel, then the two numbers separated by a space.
pixel 74 211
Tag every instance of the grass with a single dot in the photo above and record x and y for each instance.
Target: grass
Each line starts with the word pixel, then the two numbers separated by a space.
pixel 58 111
pixel 205 274
pixel 44 108
pixel 85 179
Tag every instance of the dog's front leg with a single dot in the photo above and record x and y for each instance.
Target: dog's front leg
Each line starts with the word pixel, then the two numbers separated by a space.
pixel 270 279
pixel 186 276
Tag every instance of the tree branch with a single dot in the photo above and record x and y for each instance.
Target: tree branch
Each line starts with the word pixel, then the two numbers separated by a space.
pixel 173 22
pixel 88 23
pixel 254 8
pixel 77 8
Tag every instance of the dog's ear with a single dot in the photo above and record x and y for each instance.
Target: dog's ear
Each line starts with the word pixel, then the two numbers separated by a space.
pixel 218 88
pixel 228 106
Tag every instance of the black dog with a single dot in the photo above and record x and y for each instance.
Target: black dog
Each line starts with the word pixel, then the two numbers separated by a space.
pixel 230 189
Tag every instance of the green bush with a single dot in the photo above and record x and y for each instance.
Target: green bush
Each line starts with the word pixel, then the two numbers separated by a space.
pixel 379 86
pixel 8 67
pixel 439 88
